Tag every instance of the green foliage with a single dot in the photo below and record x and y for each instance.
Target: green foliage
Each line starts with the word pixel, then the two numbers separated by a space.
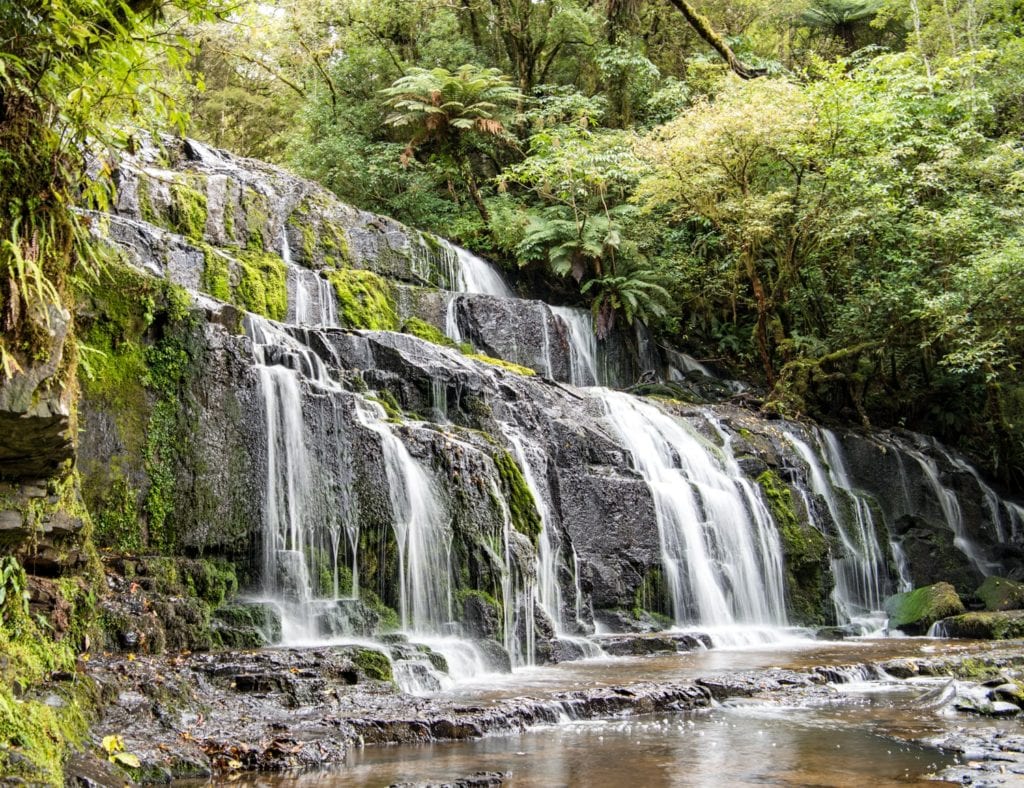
pixel 71 74
pixel 365 299
pixel 35 736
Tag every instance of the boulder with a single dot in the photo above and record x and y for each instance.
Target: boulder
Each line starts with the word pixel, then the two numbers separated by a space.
pixel 915 611
pixel 1006 625
pixel 998 593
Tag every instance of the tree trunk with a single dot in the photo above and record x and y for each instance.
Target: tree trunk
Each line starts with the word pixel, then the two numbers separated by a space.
pixel 700 23
pixel 474 192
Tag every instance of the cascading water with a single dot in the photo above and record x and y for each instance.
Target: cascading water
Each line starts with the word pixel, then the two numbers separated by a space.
pixel 583 358
pixel 861 578
pixel 290 513
pixel 422 532
pixel 952 514
pixel 467 273
pixel 721 554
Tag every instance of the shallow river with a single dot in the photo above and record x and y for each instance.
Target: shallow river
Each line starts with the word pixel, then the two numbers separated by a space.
pixel 850 735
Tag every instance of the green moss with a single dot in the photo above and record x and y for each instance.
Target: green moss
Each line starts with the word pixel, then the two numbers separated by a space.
pixel 36 736
pixel 216 278
pixel 424 330
pixel 522 507
pixel 146 201
pixel 915 611
pixel 374 664
pixel 652 597
pixel 170 365
pixel 999 593
pixel 388 617
pixel 335 244
pixel 116 518
pixel 263 287
pixel 365 300
pixel 188 210
pixel 257 216
pixel 497 362
pixel 806 553
pixel 387 400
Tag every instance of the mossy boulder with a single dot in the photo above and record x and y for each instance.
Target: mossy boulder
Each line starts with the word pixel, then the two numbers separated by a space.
pixel 998 593
pixel 1005 625
pixel 915 611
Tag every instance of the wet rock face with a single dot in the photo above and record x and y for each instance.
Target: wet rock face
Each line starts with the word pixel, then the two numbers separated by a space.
pixel 35 409
pixel 459 416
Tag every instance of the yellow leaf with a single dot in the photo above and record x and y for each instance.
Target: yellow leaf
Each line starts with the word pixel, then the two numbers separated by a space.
pixel 112 744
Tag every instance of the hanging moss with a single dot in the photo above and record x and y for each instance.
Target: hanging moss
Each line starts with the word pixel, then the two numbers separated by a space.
pixel 263 287
pixel 216 278
pixel 365 300
pixel 522 507
pixel 652 597
pixel 806 554
pixel 424 330
pixel 188 209
pixel 498 362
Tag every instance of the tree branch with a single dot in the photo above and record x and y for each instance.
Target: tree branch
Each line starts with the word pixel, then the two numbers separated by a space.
pixel 703 27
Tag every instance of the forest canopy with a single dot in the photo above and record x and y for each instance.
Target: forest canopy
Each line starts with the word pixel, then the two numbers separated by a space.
pixel 823 197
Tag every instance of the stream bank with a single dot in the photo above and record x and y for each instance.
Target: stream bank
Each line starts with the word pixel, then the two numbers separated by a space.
pixel 297 710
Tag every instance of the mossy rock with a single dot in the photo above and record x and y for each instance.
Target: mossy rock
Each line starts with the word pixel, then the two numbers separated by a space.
pixel 999 593
pixel 915 611
pixel 424 330
pixel 519 369
pixel 373 664
pixel 263 287
pixel 808 583
pixel 246 626
pixel 522 506
pixel 365 300
pixel 1005 625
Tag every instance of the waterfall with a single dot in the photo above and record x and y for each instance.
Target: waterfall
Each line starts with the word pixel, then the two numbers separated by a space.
pixel 467 273
pixel 296 527
pixel 720 551
pixel 861 578
pixel 952 514
pixel 311 300
pixel 422 532
pixel 583 359
pixel 549 548
pixel 518 595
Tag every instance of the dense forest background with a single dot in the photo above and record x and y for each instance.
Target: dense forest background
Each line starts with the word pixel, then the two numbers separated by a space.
pixel 823 197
